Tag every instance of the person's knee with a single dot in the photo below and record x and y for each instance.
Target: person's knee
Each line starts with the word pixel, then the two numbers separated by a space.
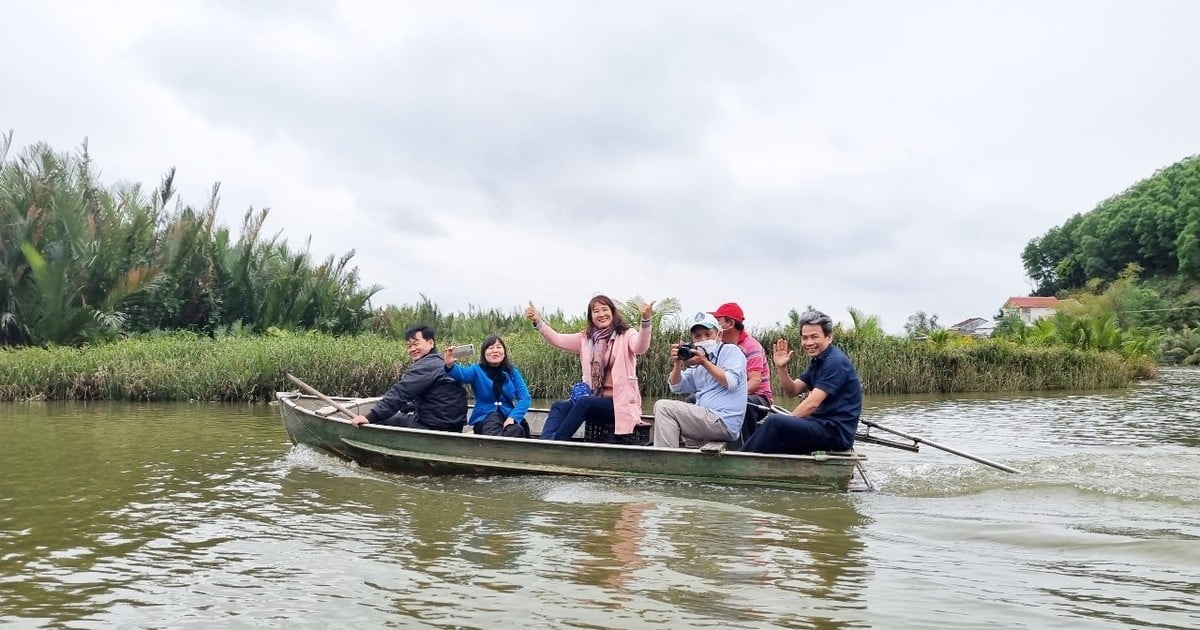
pixel 588 405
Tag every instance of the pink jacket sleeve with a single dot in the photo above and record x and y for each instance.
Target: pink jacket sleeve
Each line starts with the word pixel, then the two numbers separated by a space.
pixel 571 343
pixel 639 339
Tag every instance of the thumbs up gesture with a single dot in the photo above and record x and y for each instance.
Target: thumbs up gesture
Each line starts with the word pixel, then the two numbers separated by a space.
pixel 531 313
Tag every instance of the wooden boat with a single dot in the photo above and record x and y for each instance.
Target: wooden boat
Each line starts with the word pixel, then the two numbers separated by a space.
pixel 314 423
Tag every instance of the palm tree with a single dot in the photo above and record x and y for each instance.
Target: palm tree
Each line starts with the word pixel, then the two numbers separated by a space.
pixel 663 309
pixel 1183 347
pixel 63 277
pixel 78 262
pixel 866 327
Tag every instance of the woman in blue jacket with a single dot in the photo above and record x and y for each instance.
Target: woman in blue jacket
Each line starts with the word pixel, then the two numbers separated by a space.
pixel 501 397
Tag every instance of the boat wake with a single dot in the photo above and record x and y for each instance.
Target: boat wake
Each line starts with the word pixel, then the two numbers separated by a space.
pixel 1110 473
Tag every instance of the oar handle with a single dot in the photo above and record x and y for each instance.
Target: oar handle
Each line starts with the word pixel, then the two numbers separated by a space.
pixel 921 440
pixel 312 390
pixel 771 409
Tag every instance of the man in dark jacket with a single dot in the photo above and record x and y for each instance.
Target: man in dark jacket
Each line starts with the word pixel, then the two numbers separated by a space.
pixel 425 397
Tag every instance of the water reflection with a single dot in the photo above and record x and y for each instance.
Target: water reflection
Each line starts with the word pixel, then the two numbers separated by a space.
pixel 595 552
pixel 635 552
pixel 92 496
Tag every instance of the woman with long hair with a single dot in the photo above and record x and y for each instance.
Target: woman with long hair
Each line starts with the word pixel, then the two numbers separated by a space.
pixel 501 397
pixel 608 349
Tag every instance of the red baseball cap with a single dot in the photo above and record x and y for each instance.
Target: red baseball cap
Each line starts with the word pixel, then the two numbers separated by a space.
pixel 730 310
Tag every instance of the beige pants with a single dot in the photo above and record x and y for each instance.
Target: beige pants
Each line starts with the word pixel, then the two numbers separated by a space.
pixel 675 419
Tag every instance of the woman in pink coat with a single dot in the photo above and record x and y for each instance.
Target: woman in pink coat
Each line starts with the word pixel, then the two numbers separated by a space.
pixel 607 350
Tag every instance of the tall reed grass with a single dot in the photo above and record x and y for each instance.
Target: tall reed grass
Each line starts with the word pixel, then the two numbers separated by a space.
pixel 187 367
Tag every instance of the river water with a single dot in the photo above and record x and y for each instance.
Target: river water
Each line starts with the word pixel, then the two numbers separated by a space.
pixel 177 515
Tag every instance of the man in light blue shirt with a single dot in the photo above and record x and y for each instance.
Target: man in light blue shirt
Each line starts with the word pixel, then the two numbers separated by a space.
pixel 716 373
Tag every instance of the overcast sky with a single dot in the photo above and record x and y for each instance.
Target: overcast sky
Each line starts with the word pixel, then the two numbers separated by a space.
pixel 889 156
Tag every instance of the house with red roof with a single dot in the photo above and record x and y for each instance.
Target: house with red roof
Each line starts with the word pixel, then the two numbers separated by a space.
pixel 1031 309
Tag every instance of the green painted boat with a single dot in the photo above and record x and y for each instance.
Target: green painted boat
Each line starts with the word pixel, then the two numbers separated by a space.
pixel 314 423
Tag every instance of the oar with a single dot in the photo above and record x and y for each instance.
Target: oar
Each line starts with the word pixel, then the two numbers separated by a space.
pixel 921 440
pixel 312 390
pixel 916 440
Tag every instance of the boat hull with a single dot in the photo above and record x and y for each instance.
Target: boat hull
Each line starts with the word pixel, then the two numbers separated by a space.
pixel 406 450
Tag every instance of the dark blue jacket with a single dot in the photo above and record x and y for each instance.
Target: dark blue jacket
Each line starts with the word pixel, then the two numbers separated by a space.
pixel 427 392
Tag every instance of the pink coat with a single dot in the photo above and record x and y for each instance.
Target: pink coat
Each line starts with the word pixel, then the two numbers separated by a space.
pixel 627 397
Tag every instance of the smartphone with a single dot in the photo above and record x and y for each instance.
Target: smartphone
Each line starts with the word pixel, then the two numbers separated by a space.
pixel 463 351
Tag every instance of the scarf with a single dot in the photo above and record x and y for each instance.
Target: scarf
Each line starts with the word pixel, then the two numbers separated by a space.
pixel 601 342
pixel 497 375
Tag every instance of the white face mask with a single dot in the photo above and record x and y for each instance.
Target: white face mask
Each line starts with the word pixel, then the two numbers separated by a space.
pixel 709 345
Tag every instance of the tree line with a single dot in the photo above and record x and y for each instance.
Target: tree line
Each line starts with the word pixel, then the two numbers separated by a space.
pixel 80 262
pixel 1154 226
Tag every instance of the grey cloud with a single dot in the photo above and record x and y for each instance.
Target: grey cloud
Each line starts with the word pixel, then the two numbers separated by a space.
pixel 955 132
pixel 462 103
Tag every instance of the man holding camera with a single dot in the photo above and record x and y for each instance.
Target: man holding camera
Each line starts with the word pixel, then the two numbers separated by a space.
pixel 716 373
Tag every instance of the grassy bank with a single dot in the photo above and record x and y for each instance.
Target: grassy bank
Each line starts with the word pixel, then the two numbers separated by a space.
pixel 185 367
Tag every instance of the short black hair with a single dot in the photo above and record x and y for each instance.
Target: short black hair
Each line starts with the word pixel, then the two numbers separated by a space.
pixel 426 332
pixel 817 318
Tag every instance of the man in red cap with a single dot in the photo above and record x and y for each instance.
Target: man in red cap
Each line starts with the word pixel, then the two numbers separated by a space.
pixel 758 371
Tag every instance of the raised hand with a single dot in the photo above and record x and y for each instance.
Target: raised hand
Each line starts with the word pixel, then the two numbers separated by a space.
pixel 648 310
pixel 782 354
pixel 531 313
pixel 448 355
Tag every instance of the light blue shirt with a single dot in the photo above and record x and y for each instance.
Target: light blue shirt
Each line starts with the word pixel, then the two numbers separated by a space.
pixel 727 402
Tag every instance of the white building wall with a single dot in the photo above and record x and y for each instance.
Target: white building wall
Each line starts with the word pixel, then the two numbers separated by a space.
pixel 1031 315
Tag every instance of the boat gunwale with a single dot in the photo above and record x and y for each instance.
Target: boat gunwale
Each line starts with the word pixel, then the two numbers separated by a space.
pixel 289 398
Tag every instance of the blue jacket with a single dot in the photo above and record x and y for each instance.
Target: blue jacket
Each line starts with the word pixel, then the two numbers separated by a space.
pixel 727 402
pixel 516 399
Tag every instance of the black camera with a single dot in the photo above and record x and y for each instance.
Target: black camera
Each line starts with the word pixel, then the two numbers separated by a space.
pixel 686 351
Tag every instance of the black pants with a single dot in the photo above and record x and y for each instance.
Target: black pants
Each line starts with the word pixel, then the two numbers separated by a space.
pixel 781 433
pixel 493 424
pixel 754 415
pixel 410 421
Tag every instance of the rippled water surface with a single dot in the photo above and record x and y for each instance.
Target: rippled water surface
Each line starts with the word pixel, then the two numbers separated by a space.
pixel 159 515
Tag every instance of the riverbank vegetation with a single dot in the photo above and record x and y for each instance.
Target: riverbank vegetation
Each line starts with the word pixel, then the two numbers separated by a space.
pixel 187 366
pixel 127 293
